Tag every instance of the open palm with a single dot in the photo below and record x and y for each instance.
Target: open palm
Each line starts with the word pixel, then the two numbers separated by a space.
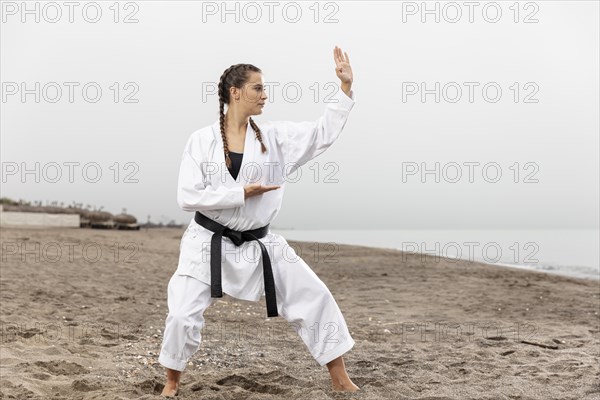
pixel 343 70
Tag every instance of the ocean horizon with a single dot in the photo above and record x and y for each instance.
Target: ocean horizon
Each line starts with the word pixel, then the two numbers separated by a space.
pixel 568 252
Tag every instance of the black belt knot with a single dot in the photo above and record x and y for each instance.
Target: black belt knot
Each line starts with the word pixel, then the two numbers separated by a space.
pixel 238 238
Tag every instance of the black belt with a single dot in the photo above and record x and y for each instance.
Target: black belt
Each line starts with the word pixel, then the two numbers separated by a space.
pixel 237 237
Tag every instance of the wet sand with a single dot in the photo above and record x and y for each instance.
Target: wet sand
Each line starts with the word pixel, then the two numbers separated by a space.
pixel 83 320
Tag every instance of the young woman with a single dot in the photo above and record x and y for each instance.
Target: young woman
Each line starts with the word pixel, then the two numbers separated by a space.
pixel 232 175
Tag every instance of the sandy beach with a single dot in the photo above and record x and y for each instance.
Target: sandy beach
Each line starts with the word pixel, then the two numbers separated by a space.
pixel 82 313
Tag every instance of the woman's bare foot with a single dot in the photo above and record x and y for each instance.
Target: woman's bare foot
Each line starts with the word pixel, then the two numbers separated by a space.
pixel 339 377
pixel 348 386
pixel 171 388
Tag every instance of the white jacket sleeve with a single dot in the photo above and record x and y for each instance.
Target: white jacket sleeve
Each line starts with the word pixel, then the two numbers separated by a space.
pixel 196 194
pixel 302 141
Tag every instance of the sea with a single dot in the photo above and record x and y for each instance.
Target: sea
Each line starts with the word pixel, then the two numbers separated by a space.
pixel 568 252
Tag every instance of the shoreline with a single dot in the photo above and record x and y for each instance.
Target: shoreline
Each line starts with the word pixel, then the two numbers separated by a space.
pixel 382 241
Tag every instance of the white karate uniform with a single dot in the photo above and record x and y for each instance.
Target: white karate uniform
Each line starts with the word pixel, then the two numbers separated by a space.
pixel 205 185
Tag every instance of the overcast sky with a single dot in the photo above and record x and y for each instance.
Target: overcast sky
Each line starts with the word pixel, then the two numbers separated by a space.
pixel 515 97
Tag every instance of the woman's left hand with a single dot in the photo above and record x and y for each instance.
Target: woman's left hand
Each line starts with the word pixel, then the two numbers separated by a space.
pixel 343 70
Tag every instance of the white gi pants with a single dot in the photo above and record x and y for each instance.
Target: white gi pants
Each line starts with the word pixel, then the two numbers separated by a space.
pixel 303 300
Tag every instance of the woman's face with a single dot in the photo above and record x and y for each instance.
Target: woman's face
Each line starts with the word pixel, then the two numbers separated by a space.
pixel 252 96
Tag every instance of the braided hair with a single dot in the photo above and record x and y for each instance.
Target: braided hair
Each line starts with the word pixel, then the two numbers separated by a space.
pixel 236 76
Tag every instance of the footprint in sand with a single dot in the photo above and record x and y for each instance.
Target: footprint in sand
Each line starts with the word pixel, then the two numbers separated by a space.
pixel 251 385
pixel 151 386
pixel 61 367
pixel 83 385
pixel 288 380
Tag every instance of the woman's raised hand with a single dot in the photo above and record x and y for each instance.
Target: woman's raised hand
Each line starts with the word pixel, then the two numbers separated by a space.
pixel 343 70
pixel 255 189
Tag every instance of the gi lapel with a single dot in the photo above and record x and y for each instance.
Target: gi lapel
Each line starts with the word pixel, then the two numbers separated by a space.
pixel 249 171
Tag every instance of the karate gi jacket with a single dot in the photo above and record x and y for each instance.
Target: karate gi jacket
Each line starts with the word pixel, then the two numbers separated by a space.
pixel 205 185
